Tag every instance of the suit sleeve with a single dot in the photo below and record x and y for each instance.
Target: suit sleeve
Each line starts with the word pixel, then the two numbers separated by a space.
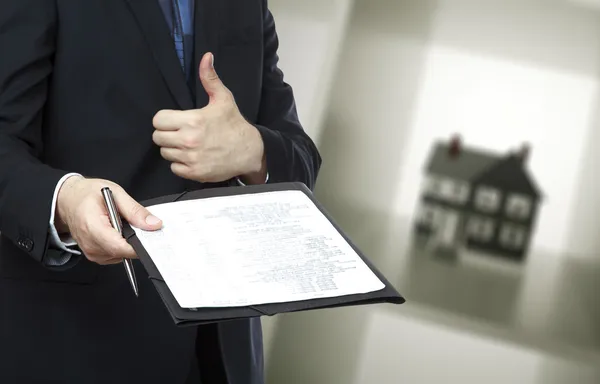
pixel 27 45
pixel 291 154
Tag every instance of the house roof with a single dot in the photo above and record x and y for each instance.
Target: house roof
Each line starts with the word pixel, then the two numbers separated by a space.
pixel 476 165
pixel 466 166
pixel 505 173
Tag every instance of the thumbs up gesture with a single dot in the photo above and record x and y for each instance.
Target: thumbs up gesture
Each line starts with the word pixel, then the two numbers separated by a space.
pixel 211 144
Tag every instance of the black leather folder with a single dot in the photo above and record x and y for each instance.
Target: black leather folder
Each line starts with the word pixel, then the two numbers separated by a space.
pixel 196 316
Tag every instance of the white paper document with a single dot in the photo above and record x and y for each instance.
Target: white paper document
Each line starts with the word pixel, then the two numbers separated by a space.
pixel 253 249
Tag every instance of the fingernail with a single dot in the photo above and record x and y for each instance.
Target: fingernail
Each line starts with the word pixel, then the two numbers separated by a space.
pixel 212 61
pixel 152 220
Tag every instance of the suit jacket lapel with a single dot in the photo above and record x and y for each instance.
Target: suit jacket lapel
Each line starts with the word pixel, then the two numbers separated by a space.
pixel 154 27
pixel 207 25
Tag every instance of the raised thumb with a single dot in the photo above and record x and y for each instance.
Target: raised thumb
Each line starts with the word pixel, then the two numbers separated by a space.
pixel 136 214
pixel 210 80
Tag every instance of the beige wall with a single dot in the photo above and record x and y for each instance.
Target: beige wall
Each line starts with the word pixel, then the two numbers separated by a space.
pixel 423 352
pixel 500 72
pixel 311 34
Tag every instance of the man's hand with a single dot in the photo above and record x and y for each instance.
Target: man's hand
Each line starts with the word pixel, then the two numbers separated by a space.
pixel 211 144
pixel 81 211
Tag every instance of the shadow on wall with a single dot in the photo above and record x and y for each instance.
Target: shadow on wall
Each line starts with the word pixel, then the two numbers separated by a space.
pixel 525 31
pixel 354 184
pixel 363 141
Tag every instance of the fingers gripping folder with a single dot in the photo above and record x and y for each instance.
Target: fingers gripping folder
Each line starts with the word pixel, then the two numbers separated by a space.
pixel 242 252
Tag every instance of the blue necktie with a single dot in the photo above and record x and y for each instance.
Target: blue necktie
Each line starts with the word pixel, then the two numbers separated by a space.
pixel 179 15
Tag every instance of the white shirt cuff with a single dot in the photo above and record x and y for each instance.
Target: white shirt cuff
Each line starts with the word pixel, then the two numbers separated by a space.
pixel 241 183
pixel 56 240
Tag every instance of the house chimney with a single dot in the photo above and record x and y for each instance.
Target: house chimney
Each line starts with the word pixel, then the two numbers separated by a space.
pixel 455 146
pixel 524 152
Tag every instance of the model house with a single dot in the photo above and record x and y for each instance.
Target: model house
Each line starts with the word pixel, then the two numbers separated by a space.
pixel 478 199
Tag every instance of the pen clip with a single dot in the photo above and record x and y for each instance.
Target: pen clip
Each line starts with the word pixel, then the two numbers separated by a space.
pixel 113 213
pixel 117 224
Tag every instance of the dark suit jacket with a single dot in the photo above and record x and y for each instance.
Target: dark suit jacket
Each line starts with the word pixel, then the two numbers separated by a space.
pixel 79 84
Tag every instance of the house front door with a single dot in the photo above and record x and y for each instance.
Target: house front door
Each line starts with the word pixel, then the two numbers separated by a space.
pixel 449 229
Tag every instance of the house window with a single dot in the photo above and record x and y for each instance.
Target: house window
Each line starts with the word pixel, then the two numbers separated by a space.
pixel 518 206
pixel 432 186
pixel 513 236
pixel 428 215
pixel 447 189
pixel 456 191
pixel 480 228
pixel 487 199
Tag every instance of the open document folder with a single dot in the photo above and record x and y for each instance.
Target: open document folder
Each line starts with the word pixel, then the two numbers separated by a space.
pixel 240 252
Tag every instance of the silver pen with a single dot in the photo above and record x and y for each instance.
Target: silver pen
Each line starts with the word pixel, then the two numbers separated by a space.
pixel 115 221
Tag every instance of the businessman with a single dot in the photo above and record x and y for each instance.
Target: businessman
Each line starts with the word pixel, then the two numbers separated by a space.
pixel 148 97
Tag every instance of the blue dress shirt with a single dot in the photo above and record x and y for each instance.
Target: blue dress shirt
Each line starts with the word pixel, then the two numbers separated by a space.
pixel 179 15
